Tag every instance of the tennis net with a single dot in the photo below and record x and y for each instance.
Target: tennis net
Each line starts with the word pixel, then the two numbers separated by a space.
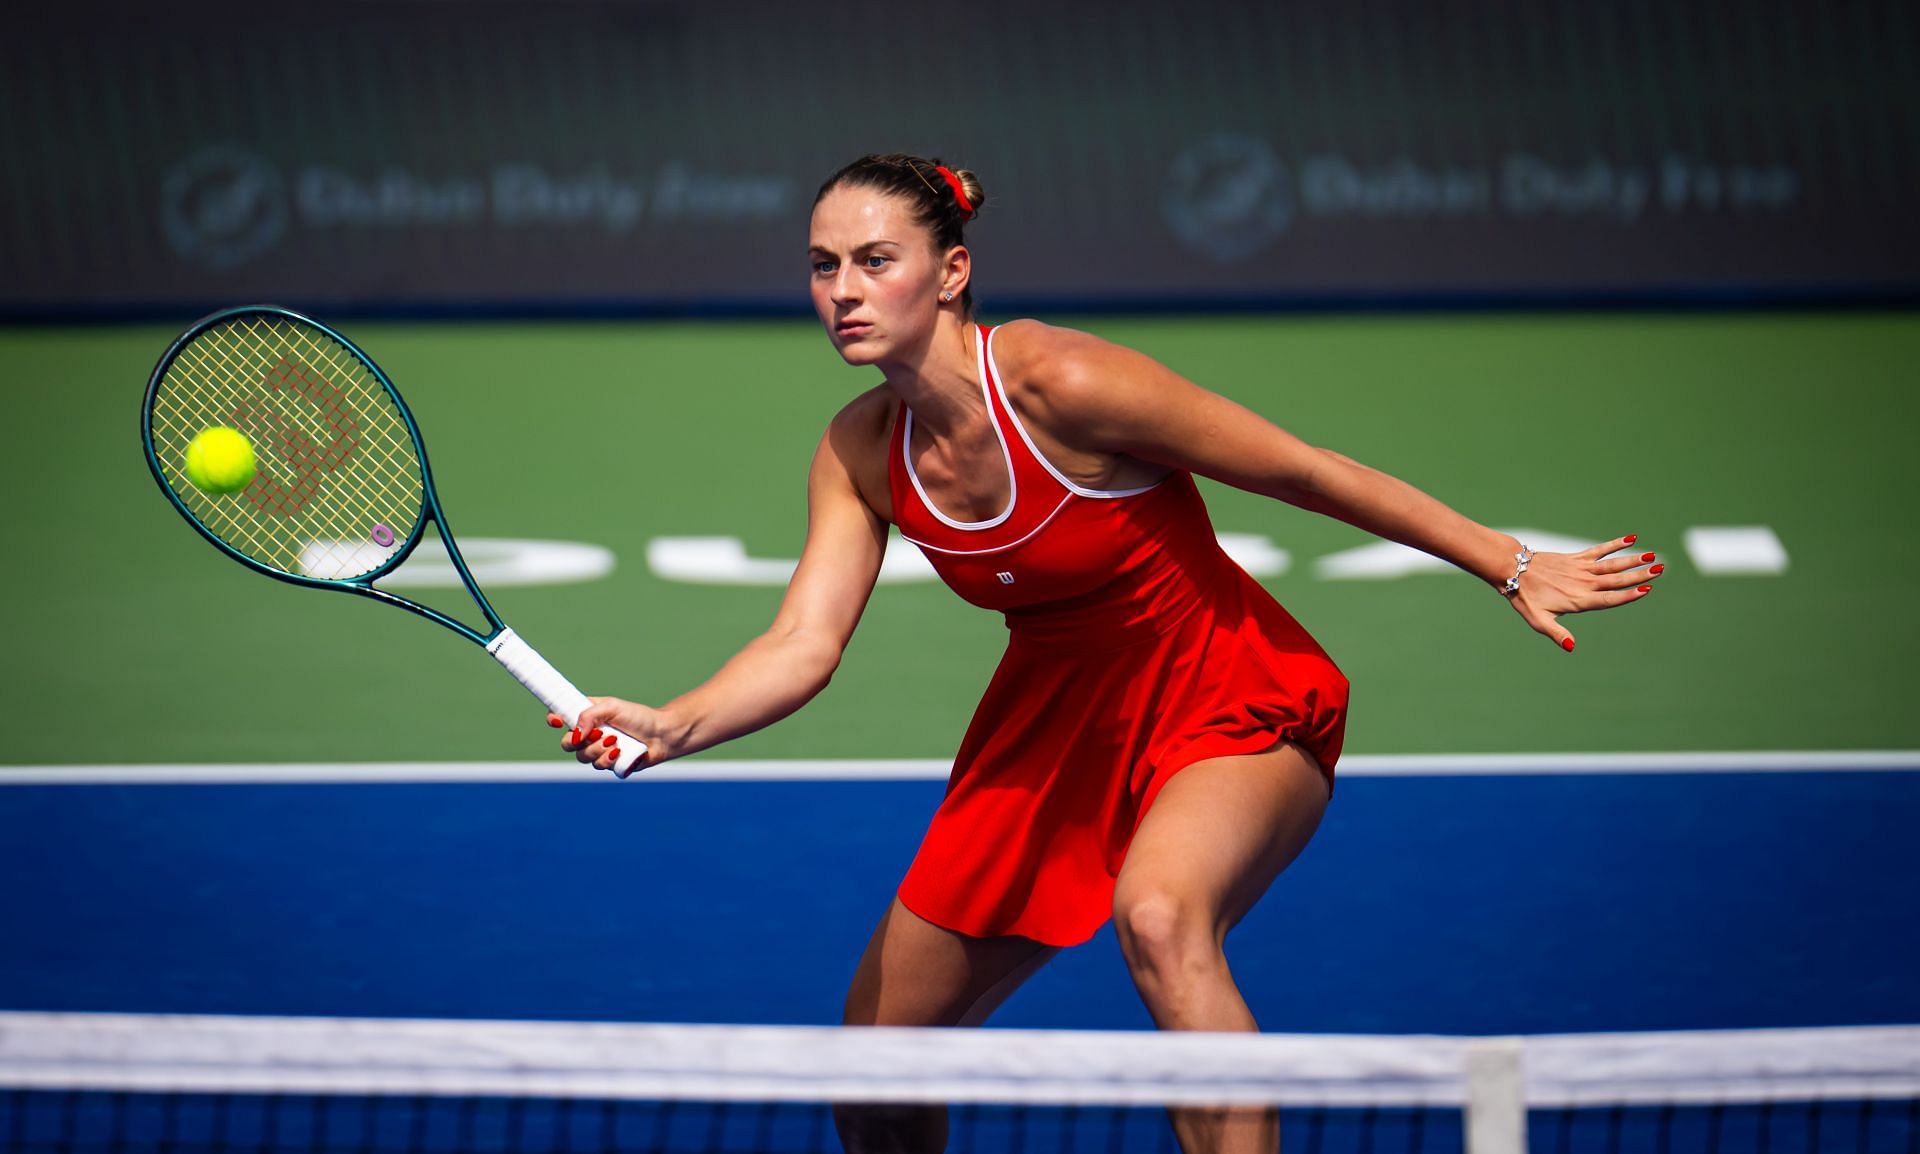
pixel 181 1084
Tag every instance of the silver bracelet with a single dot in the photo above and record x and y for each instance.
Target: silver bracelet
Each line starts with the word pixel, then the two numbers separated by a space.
pixel 1513 583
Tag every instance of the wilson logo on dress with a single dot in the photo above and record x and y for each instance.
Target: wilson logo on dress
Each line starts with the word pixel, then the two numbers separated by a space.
pixel 1006 578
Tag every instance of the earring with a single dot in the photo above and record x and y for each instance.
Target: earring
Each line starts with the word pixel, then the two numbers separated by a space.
pixel 946 296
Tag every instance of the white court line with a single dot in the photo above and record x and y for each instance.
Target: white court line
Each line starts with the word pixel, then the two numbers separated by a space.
pixel 559 772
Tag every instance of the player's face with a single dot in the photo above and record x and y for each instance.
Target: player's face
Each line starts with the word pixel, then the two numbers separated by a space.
pixel 875 276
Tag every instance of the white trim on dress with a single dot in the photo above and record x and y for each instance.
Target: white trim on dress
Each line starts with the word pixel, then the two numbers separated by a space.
pixel 1064 498
pixel 1021 428
pixel 1013 483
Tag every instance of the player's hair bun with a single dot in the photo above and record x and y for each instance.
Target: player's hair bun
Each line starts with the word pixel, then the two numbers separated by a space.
pixel 970 185
pixel 944 198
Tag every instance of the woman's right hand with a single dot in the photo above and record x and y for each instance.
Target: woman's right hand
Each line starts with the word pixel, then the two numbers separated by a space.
pixel 785 667
pixel 591 746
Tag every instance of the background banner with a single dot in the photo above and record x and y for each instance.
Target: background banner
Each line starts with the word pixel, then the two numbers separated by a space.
pixel 660 155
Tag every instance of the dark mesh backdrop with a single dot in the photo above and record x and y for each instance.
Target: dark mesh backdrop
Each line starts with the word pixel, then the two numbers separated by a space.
pixel 663 153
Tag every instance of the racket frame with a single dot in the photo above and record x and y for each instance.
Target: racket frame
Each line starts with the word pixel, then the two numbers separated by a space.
pixel 501 643
pixel 429 509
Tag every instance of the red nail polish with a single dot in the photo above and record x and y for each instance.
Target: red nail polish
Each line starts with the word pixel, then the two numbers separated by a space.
pixel 1658 569
pixel 574 737
pixel 1646 588
pixel 1632 539
pixel 1648 556
pixel 594 735
pixel 1567 645
pixel 555 722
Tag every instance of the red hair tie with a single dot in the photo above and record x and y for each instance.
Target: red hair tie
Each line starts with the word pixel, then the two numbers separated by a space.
pixel 959 191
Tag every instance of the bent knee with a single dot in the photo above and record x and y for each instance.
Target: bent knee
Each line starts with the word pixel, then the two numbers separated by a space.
pixel 1163 930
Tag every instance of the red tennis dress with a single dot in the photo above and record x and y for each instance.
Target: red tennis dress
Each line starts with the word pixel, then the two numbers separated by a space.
pixel 1137 648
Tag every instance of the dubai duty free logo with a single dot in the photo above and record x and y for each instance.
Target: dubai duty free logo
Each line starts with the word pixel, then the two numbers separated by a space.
pixel 223 206
pixel 1227 196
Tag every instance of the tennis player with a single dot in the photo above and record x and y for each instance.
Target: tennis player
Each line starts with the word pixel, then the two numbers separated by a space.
pixel 1159 740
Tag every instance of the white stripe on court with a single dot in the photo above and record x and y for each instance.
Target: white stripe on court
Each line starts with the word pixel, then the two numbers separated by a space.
pixel 560 772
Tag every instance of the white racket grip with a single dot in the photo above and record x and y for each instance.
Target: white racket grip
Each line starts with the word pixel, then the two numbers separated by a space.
pixel 556 692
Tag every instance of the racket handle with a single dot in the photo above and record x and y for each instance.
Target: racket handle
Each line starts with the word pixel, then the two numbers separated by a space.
pixel 557 693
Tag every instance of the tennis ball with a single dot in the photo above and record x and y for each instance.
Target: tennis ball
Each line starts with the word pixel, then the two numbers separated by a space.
pixel 220 460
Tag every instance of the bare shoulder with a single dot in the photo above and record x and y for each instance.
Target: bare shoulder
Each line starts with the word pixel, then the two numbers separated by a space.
pixel 867 417
pixel 1035 354
pixel 1065 373
pixel 855 445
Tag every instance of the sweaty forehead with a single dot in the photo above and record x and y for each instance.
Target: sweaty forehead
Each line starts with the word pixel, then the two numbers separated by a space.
pixel 851 216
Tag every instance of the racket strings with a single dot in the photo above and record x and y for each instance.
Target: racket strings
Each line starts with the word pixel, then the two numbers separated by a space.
pixel 340 485
pixel 396 467
pixel 236 365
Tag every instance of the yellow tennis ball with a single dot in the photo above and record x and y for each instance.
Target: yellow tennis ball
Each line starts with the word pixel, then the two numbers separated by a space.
pixel 220 460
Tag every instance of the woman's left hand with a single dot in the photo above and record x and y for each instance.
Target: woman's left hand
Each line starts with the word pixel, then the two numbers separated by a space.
pixel 1556 584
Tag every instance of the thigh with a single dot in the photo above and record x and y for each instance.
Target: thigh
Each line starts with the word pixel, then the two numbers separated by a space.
pixel 1223 829
pixel 915 973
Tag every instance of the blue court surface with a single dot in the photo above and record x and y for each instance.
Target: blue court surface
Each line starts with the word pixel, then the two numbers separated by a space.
pixel 1467 903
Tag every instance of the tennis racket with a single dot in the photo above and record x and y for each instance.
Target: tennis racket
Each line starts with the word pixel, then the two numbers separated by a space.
pixel 342 493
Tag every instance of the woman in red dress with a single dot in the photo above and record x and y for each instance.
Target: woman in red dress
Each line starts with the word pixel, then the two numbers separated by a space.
pixel 1159 740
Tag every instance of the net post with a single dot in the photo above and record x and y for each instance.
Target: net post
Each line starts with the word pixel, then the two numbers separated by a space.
pixel 1496 1113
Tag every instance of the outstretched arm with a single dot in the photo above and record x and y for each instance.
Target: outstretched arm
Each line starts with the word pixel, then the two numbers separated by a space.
pixel 1115 400
pixel 785 667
